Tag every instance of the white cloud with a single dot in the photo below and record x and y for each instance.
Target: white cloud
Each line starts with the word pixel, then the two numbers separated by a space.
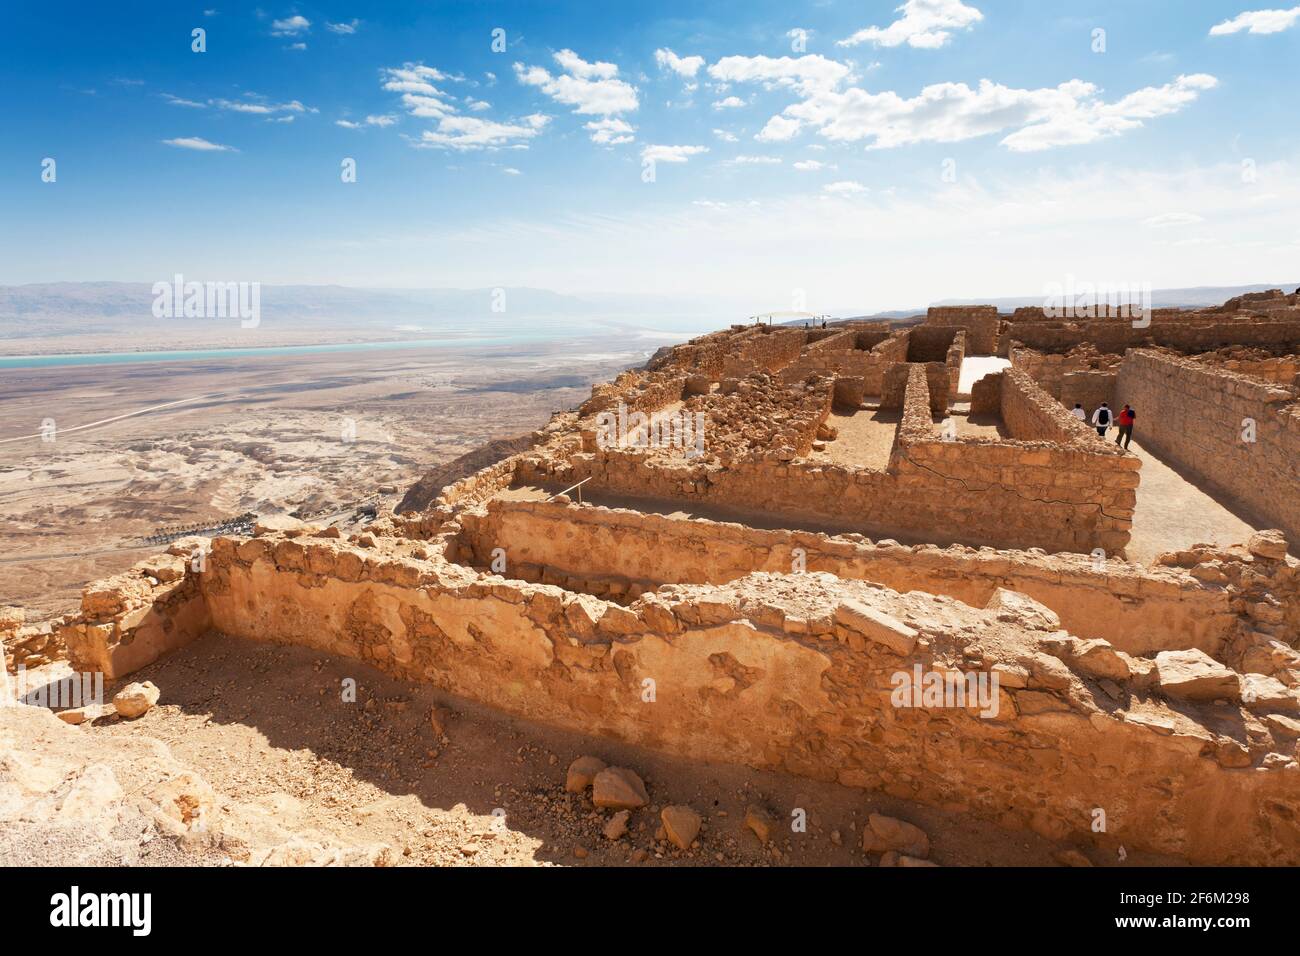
pixel 723 135
pixel 453 130
pixel 343 28
pixel 511 171
pixel 259 107
pixel 1069 114
pixel 1258 21
pixel 845 187
pixel 671 154
pixel 296 46
pixel 590 88
pixel 477 105
pixel 200 144
pixel 754 161
pixel 414 78
pixel 178 101
pixel 925 25
pixel 291 27
pixel 729 103
pixel 471 132
pixel 803 73
pixel 1168 219
pixel 813 165
pixel 610 131
pixel 684 66
pixel 381 121
pixel 778 130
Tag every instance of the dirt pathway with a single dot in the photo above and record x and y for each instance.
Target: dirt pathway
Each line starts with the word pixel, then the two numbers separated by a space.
pixel 1172 513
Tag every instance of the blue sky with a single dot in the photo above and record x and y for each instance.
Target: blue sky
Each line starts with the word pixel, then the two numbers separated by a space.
pixel 886 156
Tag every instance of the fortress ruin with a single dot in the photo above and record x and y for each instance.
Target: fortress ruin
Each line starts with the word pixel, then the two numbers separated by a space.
pixel 857 509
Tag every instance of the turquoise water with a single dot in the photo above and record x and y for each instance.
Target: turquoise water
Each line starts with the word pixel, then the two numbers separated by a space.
pixel 557 333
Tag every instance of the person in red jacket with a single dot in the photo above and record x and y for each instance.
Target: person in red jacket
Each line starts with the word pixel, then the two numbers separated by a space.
pixel 1125 421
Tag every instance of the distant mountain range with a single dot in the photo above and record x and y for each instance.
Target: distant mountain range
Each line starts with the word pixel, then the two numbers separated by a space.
pixel 115 301
pixel 1198 297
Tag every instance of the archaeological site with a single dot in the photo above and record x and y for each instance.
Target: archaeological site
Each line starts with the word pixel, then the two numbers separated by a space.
pixel 904 559
pixel 882 557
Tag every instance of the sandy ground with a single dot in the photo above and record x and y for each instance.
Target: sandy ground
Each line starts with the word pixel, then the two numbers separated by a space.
pixel 321 433
pixel 866 436
pixel 1173 513
pixel 265 725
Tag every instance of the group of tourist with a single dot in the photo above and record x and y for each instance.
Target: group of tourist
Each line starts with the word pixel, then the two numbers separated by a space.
pixel 1103 418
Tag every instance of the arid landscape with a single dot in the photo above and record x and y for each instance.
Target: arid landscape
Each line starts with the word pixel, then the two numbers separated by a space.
pixel 666 621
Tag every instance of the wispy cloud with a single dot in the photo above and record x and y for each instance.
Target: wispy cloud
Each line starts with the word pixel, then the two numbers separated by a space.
pixel 671 154
pixel 454 130
pixel 343 29
pixel 200 144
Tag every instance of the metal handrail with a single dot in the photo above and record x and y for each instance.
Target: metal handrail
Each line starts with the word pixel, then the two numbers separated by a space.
pixel 578 486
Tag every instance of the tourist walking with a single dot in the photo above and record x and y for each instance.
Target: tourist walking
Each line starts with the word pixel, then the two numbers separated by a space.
pixel 1078 412
pixel 1125 421
pixel 1101 419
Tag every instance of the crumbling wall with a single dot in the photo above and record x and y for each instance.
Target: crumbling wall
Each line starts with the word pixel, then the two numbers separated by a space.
pixel 1235 434
pixel 620 554
pixel 798 673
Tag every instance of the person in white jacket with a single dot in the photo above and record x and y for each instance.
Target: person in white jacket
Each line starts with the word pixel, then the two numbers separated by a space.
pixel 1078 412
pixel 1101 418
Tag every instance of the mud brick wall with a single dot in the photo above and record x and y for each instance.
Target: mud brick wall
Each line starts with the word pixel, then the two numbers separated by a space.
pixel 1191 415
pixel 982 323
pixel 1140 610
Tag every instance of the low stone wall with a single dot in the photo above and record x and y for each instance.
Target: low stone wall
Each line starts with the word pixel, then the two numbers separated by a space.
pixel 1187 333
pixel 1201 419
pixel 1056 486
pixel 623 552
pixel 796 673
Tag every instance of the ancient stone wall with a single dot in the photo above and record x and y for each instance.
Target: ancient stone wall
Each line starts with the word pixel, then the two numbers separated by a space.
pixel 1188 333
pixel 881 352
pixel 1089 389
pixel 982 323
pixel 767 349
pixel 796 673
pixel 1056 486
pixel 1200 419
pixel 621 553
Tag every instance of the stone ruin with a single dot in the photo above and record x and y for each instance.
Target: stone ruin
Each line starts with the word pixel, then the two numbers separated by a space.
pixel 855 533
